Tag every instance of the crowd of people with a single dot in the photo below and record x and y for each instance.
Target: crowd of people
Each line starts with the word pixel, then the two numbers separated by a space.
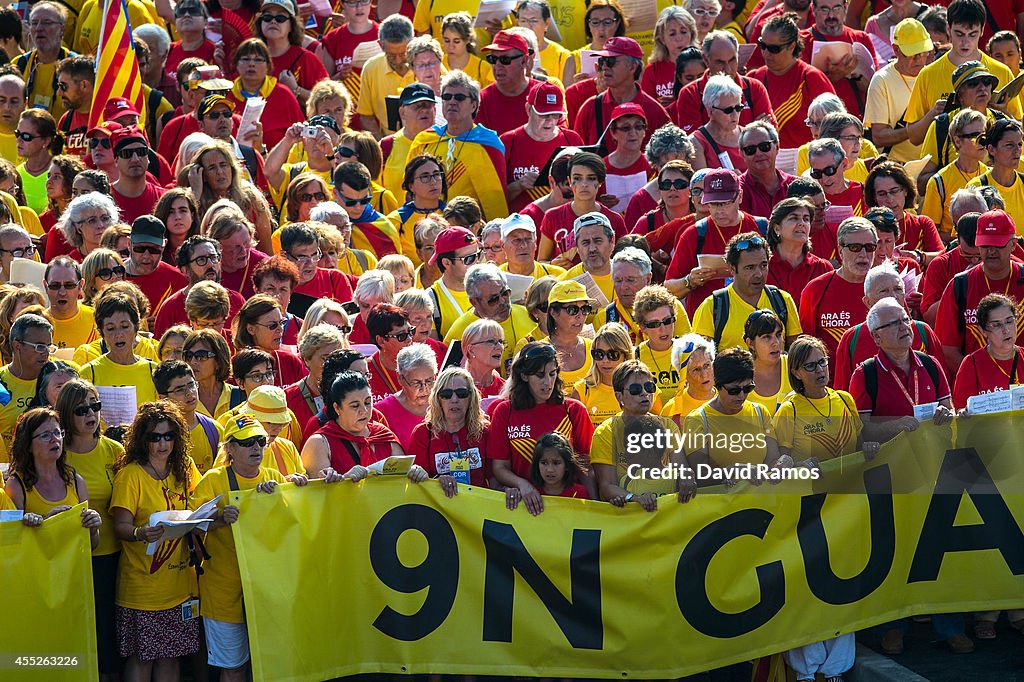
pixel 506 250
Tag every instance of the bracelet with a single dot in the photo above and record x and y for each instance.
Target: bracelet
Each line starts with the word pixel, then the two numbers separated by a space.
pixel 686 281
pixel 135 533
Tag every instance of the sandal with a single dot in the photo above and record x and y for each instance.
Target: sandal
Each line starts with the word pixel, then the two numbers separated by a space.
pixel 985 629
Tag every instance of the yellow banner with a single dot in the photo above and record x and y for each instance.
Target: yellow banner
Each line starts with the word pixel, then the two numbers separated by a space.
pixel 48 629
pixel 389 576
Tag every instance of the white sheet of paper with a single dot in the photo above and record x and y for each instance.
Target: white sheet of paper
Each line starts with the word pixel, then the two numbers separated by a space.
pixel 923 413
pixel 987 403
pixel 593 291
pixel 588 62
pixel 493 10
pixel 624 187
pixel 915 167
pixel 725 160
pixel 119 404
pixel 364 52
pixel 711 260
pixel 786 160
pixel 518 284
pixel 251 115
pixel 1017 397
pixel 865 61
pixel 180 522
pixel 396 465
pixel 26 271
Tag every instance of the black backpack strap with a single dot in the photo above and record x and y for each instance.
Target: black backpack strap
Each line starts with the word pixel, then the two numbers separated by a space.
pixel 232 478
pixel 960 298
pixel 930 367
pixel 437 309
pixel 941 137
pixel 650 221
pixel 707 136
pixel 702 232
pixel 353 451
pixel 778 303
pixel 720 312
pixel 870 367
pixel 237 397
pixel 602 148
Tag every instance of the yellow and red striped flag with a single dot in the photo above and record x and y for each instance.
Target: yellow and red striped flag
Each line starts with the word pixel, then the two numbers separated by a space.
pixel 117 67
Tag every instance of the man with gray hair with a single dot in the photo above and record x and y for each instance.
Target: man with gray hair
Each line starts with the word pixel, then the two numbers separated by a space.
pixel 631 272
pixel 762 183
pixel 857 345
pixel 154 73
pixel 721 54
pixel 667 143
pixel 491 299
pixel 15 242
pixel 46 26
pixel 31 341
pixel 828 165
pixel 595 241
pixel 385 74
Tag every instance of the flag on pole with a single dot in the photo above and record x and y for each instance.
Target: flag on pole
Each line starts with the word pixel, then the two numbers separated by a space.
pixel 117 67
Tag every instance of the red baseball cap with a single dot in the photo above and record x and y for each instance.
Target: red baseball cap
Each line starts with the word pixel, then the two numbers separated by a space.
pixel 720 184
pixel 127 134
pixel 547 98
pixel 995 228
pixel 629 109
pixel 118 107
pixel 621 46
pixel 507 40
pixel 105 129
pixel 451 239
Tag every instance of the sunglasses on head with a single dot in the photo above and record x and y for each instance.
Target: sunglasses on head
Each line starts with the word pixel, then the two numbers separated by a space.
pixel 191 355
pixel 106 273
pixel 816 365
pixel 254 440
pixel 752 243
pixel 447 393
pixel 83 410
pixel 654 324
pixel 736 109
pixel 773 49
pixel 457 96
pixel 600 355
pixel 157 437
pixel 736 390
pixel 751 149
pixel 503 59
pixel 357 202
pixel 638 389
pixel 857 248
pixel 678 183
pixel 573 310
pixel 828 170
pixel 95 142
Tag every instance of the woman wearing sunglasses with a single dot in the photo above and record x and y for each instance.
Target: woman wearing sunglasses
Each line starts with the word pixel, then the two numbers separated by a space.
pixel 155 474
pixel 764 335
pixel 38 142
pixel 304 192
pixel 692 355
pixel 966 131
pixel 569 306
pixel 404 410
pixel 260 324
pixel 610 348
pixel 483 346
pixel 94 456
pixel 295 67
pixel 718 140
pixel 655 311
pixel 673 185
pixel 389 329
pixel 100 268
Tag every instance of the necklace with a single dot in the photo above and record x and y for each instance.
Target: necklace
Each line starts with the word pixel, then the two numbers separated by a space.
pixel 828 417
pixel 1009 279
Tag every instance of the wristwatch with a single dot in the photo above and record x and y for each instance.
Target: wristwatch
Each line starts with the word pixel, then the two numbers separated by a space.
pixel 630 497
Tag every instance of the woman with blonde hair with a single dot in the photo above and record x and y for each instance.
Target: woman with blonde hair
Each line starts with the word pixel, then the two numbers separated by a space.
pixel 611 347
pixel 330 98
pixel 117 238
pixel 172 343
pixel 12 305
pixel 674 31
pixel 401 268
pixel 460 48
pixel 483 345
pixel 326 311
pixel 100 268
pixel 216 175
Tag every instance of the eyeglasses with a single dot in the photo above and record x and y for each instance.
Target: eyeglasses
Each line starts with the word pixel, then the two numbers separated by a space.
pixel 736 390
pixel 190 387
pixel 200 355
pixel 22 252
pixel 276 18
pixel 97 142
pixel 654 324
pixel 838 10
pixel 418 385
pixel 752 243
pixel 252 60
pixel 457 96
pixel 25 137
pixel 57 286
pixel 730 110
pixel 214 115
pixel 773 49
pixel 812 124
pixel 260 376
pixel 678 183
pixel 901 321
pixel 600 355
pixel 356 3
pixel 850 138
pixel 357 202
pixel 607 23
pixel 44 24
pixel 312 258
pixel 447 393
pixel 430 177
pixel 638 128
pixel 401 337
pixel 83 410
pixel 272 326
pixel 817 173
pixel 425 65
pixel 696 192
pixel 996 326
pixel 894 192
pixel 166 436
pixel 490 342
pixel 193 11
pixel 504 293
pixel 751 149
pixel 151 250
pixel 703 12
pixel 93 221
pixel 106 274
pixel 251 441
pixel 47 348
pixel 141 152
pixel 606 62
pixel 971 136
pixel 814 366
pixel 203 261
pixel 311 196
pixel 50 436
pixel 646 387
pixel 870 247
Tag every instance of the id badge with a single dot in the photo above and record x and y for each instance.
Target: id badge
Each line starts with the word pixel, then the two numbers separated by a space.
pixel 458 468
pixel 189 610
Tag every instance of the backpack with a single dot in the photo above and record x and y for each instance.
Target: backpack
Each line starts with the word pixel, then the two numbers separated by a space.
pixel 870 367
pixel 702 230
pixel 720 308
pixel 942 138
pixel 210 429
pixel 922 331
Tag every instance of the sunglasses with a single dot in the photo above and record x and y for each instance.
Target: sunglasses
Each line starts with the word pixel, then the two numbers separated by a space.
pixel 457 96
pixel 736 390
pixel 600 355
pixel 402 337
pixel 95 142
pixel 157 437
pixel 814 366
pixel 255 440
pixel 344 152
pixel 503 59
pixel 751 149
pixel 277 18
pixel 654 324
pixel 730 110
pixel 608 62
pixel 678 183
pixel 829 171
pixel 272 326
pixel 857 248
pixel 106 273
pixel 83 410
pixel 57 286
pixel 191 355
pixel 573 310
pixel 141 152
pixel 25 137
pixel 357 202
pixel 151 250
pixel 971 136
pixel 214 115
pixel 307 196
pixel 773 49
pixel 447 393
pixel 638 389
pixel 505 293
pixel 193 11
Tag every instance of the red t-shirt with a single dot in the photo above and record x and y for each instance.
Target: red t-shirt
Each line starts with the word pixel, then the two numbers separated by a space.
pixel 557 225
pixel 502 113
pixel 756 200
pixel 845 89
pixel 306 66
pixel 340 43
pixel 383 381
pixel 523 155
pixel 666 237
pixel 74 134
pixel 919 232
pixel 288 367
pixel 947 324
pixel 435 453
pixel 940 270
pixel 575 95
pixel 332 284
pixel 575 490
pixel 793 280
pixel 535 212
pixel 640 204
pixel 177 53
pixel 825 242
pixel 514 433
pixel 133 207
pixel 866 348
pixel 658 79
pixel 372 449
pixel 829 305
pixel 898 392
pixel 172 311
pixel 649 222
pixel 160 284
pixel 241 280
pixel 586 119
pixel 981 373
pixel 691 113
pixel 303 412
pixel 790 95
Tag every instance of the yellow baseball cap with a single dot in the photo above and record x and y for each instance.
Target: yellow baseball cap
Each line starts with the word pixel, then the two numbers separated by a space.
pixel 569 291
pixel 243 427
pixel 912 37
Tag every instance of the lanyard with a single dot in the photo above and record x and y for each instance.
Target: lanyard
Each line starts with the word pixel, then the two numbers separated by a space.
pixel 30 81
pixel 1012 374
pixel 385 374
pixel 917 388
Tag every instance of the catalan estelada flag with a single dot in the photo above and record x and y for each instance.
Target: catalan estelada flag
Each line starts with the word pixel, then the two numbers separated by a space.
pixel 117 67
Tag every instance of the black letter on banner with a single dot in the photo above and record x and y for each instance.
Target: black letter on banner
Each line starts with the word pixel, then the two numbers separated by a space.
pixel 439 572
pixel 691 578
pixel 963 472
pixel 824 583
pixel 579 619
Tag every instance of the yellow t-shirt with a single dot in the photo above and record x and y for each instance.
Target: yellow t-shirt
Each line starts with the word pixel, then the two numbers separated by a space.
pixel 739 311
pixel 378 81
pixel 163 580
pixel 35 503
pixel 476 68
pixel 97 470
pixel 553 58
pixel 451 305
pixel 936 80
pixel 431 13
pixel 22 393
pixel 220 583
pixel 202 454
pixel 940 190
pixel 728 432
pixel 681 405
pixel 223 404
pixel 818 427
pixel 609 447
pixel 91 16
pixel 393 174
pixel 772 402
pixel 660 363
pixel 77 330
pixel 407 233
pixel 1012 195
pixel 948 154
pixel 104 372
pixel 635 332
pixel 886 100
pixel 571 377
pixel 383 199
pixel 351 265
pixel 6 503
pixel 145 347
pixel 601 402
pixel 9 148
pixel 540 270
pixel 604 282
pixel 516 326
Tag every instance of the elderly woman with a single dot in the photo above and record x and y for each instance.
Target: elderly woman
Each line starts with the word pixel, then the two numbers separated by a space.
pixel 93 456
pixel 490 242
pixel 100 268
pixel 483 346
pixel 172 343
pixel 62 173
pixel 692 357
pixel 705 13
pixel 610 348
pixel 253 64
pixel 277 277
pixel 401 268
pixel 404 410
pixel 350 441
pixel 388 326
pixel 214 175
pixel 426 189
pixel 119 368
pixel 460 49
pixel 373 287
pixel 155 474
pixel 207 353
pixel 326 311
pixel 823 105
pixel 260 324
pixel 889 186
pixel 425 58
pixel 764 335
pixel 52 377
pixel 419 306
pixel 792 264
pixel 555 60
pixel 655 312
pixel 305 191
pixel 450 443
pixel 461 144
pixel 674 31
pixel 303 397
pixel 718 140
pixel 177 210
pixel 569 306
pixel 535 406
pixel 11 305
pixel 82 224
pixel 966 131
